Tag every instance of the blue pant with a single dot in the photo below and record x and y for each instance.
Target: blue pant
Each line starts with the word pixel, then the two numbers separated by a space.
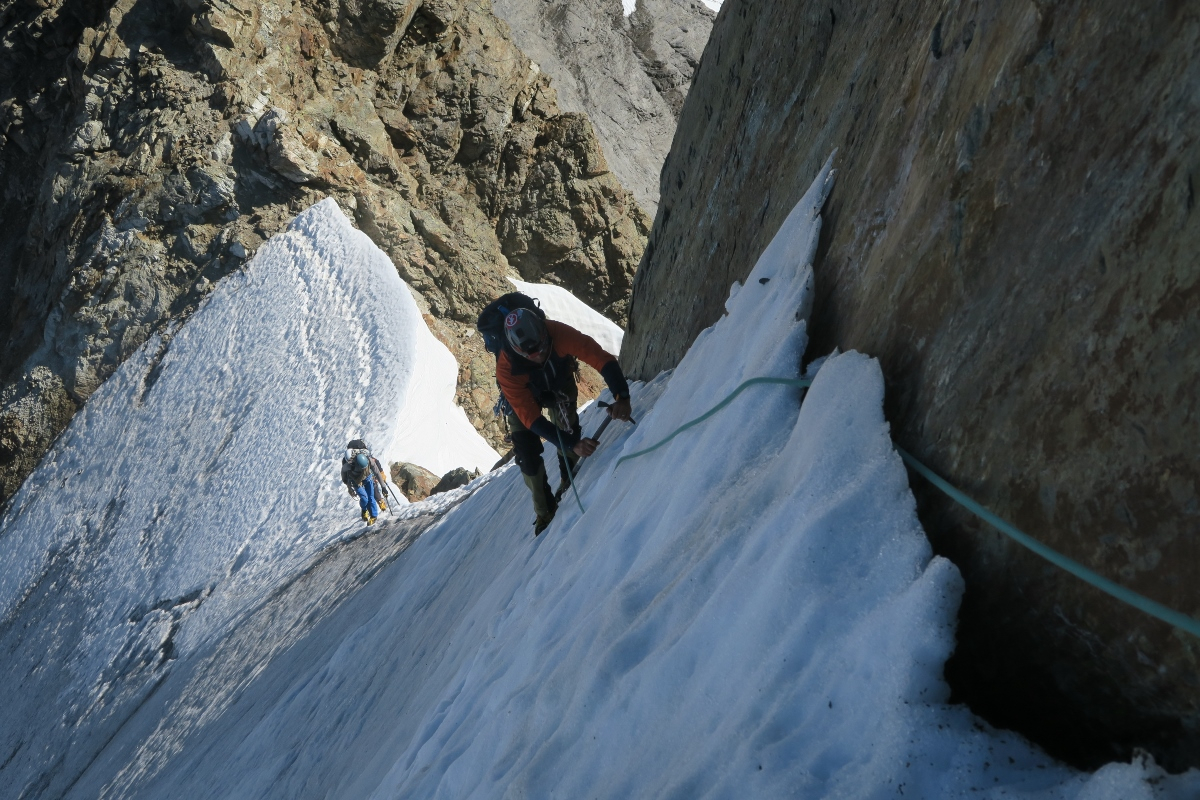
pixel 366 496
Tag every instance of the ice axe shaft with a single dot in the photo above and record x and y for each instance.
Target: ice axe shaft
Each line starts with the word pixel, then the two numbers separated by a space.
pixel 383 485
pixel 599 431
pixel 607 420
pixel 603 425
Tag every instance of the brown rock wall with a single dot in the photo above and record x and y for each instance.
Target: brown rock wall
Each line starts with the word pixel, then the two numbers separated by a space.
pixel 148 149
pixel 1013 234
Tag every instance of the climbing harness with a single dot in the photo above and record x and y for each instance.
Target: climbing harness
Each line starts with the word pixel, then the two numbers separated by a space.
pixel 501 408
pixel 562 404
pixel 1140 602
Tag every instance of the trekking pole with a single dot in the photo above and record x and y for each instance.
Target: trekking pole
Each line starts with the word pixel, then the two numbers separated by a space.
pixel 383 485
pixel 390 499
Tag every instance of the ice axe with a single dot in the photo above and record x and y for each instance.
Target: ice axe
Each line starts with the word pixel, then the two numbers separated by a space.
pixel 603 404
pixel 564 462
pixel 383 485
pixel 607 420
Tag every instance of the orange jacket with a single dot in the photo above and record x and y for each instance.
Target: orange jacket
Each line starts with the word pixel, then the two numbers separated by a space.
pixel 564 341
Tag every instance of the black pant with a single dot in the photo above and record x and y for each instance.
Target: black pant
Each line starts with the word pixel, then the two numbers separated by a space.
pixel 528 449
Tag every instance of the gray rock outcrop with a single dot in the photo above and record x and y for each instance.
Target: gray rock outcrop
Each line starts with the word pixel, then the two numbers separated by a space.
pixel 454 479
pixel 148 149
pixel 1013 234
pixel 630 75
pixel 417 483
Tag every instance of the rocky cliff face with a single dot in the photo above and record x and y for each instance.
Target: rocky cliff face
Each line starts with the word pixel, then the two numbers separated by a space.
pixel 148 148
pixel 1013 233
pixel 629 74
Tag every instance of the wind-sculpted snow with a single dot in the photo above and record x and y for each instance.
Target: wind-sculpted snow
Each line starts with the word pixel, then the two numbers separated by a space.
pixel 749 611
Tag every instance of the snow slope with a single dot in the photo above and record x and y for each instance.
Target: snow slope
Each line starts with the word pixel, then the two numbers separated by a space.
pixel 559 304
pixel 750 611
pixel 205 472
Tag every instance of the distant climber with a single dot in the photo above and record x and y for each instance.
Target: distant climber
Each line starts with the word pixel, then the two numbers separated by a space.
pixel 364 478
pixel 535 368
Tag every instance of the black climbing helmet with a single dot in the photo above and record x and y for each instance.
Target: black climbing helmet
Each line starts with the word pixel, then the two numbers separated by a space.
pixel 526 332
pixel 491 320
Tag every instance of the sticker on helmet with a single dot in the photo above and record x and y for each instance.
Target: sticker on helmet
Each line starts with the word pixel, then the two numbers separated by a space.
pixel 511 320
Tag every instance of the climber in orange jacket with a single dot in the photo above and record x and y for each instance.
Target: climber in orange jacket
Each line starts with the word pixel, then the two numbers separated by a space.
pixel 536 370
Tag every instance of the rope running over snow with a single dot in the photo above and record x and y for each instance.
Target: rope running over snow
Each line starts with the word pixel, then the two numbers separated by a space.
pixel 802 383
pixel 1145 604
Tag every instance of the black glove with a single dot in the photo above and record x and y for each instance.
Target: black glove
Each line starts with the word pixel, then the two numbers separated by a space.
pixel 615 379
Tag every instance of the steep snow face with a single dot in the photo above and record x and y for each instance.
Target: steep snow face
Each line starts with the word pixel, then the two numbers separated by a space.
pixel 205 471
pixel 559 304
pixel 749 611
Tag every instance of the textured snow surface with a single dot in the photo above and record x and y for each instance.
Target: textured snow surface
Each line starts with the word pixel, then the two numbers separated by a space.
pixel 559 304
pixel 750 611
pixel 204 473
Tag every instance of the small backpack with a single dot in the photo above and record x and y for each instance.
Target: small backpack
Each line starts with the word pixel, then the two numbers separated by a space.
pixel 491 320
pixel 357 446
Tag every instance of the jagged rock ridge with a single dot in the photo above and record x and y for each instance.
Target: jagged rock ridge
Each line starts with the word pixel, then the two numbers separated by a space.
pixel 149 148
pixel 629 74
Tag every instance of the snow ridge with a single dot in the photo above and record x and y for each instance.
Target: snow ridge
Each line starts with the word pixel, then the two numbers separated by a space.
pixel 197 478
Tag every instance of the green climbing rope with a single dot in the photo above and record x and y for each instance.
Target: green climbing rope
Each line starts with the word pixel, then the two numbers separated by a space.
pixel 802 383
pixel 1145 604
pixel 1154 609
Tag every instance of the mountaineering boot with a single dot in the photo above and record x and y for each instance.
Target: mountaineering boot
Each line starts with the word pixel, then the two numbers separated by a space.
pixel 543 520
pixel 564 475
pixel 370 519
pixel 544 504
pixel 366 515
pixel 382 506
